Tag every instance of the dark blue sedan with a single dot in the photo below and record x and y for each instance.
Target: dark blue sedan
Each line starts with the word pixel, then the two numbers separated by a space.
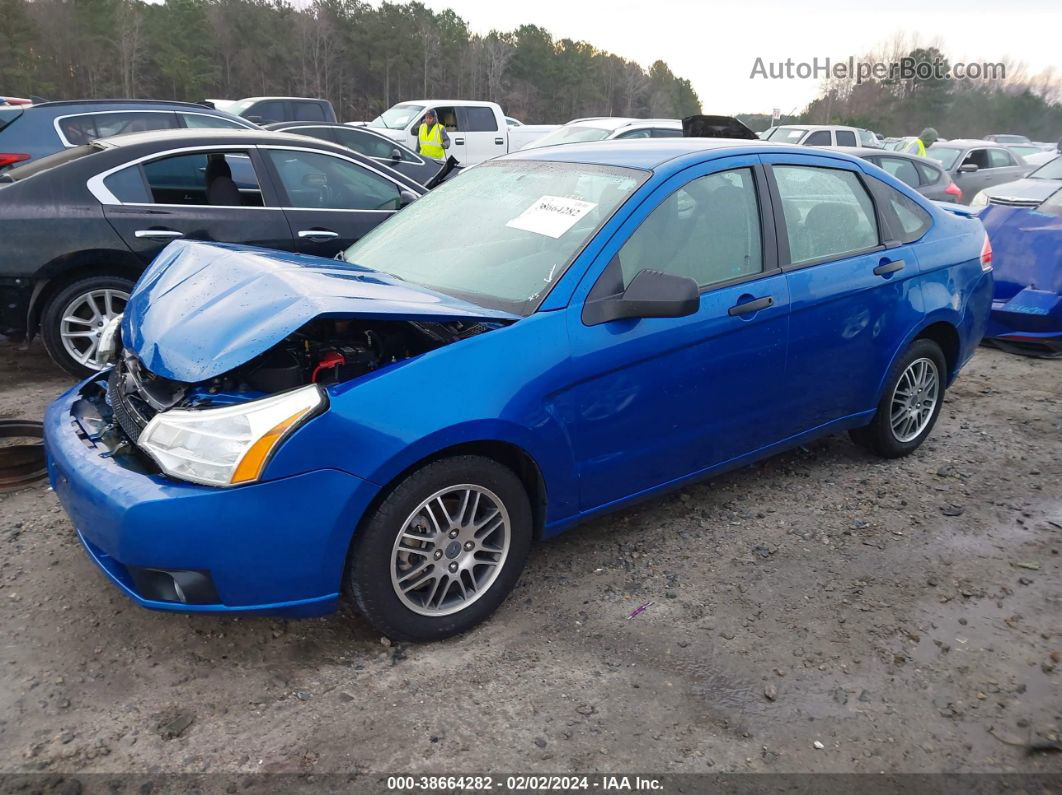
pixel 550 336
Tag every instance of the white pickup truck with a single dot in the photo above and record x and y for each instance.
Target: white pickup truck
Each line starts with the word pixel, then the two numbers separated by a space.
pixel 478 130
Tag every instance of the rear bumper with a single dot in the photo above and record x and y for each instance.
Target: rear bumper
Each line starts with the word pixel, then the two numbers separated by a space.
pixel 277 547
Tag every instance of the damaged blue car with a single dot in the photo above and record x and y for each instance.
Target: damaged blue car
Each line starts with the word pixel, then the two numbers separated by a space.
pixel 1024 223
pixel 553 335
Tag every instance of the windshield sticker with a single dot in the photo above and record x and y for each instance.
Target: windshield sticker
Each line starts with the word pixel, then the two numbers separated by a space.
pixel 551 216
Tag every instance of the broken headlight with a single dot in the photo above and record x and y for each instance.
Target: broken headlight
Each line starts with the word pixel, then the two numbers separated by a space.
pixel 227 446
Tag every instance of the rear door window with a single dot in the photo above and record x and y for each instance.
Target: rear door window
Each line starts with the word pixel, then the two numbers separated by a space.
pixel 901 168
pixel 269 111
pixel 828 213
pixel 86 127
pixel 307 111
pixel 818 138
pixel 479 119
pixel 846 138
pixel 666 132
pixel 1000 158
pixel 644 133
pixel 204 179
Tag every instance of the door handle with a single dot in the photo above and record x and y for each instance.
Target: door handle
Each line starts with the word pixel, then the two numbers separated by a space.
pixel 459 141
pixel 158 234
pixel 317 234
pixel 885 268
pixel 499 141
pixel 754 305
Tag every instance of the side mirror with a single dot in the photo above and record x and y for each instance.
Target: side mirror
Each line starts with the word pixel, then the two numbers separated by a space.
pixel 650 294
pixel 396 154
pixel 968 168
pixel 406 197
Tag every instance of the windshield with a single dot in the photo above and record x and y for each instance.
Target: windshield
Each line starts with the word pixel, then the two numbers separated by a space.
pixel 573 134
pixel 501 234
pixel 397 117
pixel 787 135
pixel 945 155
pixel 237 108
pixel 1052 169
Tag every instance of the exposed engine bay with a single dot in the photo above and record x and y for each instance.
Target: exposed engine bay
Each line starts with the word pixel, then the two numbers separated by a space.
pixel 324 351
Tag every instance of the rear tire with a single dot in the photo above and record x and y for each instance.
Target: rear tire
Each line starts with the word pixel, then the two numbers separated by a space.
pixel 442 551
pixel 74 316
pixel 910 404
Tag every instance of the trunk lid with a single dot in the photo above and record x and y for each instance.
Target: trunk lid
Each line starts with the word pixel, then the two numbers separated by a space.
pixel 202 309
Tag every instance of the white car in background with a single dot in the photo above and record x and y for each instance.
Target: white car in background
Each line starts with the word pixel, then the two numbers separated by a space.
pixel 823 135
pixel 478 131
pixel 607 128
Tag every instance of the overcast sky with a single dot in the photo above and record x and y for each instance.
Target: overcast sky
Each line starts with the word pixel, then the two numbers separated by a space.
pixel 715 45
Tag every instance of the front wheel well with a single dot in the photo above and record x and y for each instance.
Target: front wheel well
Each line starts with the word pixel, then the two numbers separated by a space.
pixel 507 454
pixel 946 337
pixel 48 287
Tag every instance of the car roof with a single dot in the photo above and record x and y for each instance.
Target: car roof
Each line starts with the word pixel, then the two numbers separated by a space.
pixel 651 153
pixel 615 122
pixel 205 135
pixel 960 142
pixel 256 99
pixel 863 151
pixel 66 103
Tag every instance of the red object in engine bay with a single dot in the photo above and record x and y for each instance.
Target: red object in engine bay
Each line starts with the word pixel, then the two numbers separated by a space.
pixel 329 361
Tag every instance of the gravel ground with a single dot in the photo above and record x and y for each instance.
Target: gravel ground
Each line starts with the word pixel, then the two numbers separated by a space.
pixel 820 611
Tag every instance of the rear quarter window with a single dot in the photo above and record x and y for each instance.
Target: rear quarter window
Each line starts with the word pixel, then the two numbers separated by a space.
pixel 906 220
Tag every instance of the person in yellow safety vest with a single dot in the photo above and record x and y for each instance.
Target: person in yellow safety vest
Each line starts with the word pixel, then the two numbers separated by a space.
pixel 432 140
pixel 919 145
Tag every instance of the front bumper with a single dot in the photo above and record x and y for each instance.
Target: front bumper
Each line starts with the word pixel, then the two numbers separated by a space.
pixel 277 547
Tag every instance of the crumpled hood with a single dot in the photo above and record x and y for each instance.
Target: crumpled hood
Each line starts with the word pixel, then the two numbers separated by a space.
pixel 202 309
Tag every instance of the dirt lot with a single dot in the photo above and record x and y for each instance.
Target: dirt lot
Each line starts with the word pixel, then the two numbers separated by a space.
pixel 906 615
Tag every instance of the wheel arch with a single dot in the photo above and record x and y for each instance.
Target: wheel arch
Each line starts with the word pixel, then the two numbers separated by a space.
pixel 67 269
pixel 506 453
pixel 944 333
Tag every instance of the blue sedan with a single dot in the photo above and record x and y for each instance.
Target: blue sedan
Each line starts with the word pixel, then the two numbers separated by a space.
pixel 553 335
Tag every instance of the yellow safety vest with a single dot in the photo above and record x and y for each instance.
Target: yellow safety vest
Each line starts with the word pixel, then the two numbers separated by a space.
pixel 431 141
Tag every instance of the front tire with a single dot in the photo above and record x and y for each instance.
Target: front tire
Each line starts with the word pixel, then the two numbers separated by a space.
pixel 910 405
pixel 74 317
pixel 442 551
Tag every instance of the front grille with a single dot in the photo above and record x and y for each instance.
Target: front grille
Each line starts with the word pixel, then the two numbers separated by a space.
pixel 131 420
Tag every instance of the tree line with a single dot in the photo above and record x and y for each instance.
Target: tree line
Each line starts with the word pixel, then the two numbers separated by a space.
pixel 362 58
pixel 1012 101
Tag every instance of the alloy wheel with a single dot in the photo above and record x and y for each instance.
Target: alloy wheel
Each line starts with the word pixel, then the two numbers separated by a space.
pixel 450 550
pixel 914 399
pixel 83 321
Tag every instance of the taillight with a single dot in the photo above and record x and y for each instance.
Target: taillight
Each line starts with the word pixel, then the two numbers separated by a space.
pixel 986 254
pixel 954 190
pixel 10 160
